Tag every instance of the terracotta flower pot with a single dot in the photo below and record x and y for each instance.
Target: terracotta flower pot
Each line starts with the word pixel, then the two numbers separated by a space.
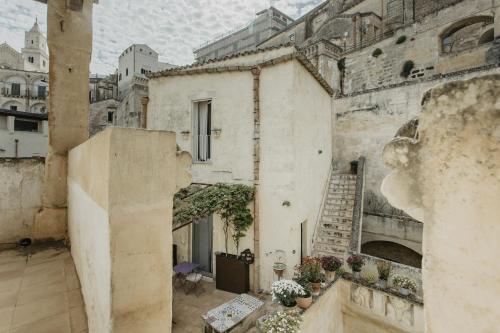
pixel 316 288
pixel 304 303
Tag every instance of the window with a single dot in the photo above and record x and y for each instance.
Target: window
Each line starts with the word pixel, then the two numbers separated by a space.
pixel 32 41
pixel 202 121
pixel 13 108
pixel 31 59
pixel 126 72
pixel 110 116
pixel 25 125
pixel 42 91
pixel 120 77
pixel 43 63
pixel 15 89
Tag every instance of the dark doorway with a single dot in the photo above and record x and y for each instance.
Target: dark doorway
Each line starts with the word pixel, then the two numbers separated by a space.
pixel 202 244
pixel 393 252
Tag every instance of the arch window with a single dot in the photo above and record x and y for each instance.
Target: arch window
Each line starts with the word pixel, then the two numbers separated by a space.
pixel 393 252
pixel 466 34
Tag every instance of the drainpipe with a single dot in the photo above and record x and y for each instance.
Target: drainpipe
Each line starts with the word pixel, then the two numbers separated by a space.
pixel 256 174
pixel 17 147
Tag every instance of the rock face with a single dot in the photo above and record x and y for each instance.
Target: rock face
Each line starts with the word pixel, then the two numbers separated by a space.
pixel 448 175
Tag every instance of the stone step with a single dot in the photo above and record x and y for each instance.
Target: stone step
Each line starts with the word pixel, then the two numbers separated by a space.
pixel 333 241
pixel 337 213
pixel 330 249
pixel 340 196
pixel 335 227
pixel 338 207
pixel 344 234
pixel 336 220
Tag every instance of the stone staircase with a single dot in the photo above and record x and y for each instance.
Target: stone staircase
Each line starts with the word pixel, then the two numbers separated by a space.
pixel 333 234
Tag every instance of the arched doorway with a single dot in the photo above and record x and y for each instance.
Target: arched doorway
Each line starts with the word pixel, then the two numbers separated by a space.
pixel 393 252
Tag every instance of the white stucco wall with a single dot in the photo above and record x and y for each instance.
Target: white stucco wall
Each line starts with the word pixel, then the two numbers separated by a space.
pixel 295 128
pixel 170 108
pixel 29 144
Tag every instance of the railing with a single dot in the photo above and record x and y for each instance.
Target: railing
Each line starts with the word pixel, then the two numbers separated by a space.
pixel 320 209
pixel 370 41
pixel 357 218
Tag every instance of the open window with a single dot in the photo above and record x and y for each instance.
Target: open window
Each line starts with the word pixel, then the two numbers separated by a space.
pixel 467 34
pixel 202 129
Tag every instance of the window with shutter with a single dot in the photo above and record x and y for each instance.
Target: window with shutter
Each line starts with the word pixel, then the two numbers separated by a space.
pixel 202 121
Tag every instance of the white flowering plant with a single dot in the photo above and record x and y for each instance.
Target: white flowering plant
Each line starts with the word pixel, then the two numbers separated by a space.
pixel 286 291
pixel 283 321
pixel 404 282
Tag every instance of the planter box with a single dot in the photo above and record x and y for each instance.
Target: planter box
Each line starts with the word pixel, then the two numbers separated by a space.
pixel 231 274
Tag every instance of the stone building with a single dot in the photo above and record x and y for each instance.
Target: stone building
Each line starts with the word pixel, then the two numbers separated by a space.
pixel 104 104
pixel 266 23
pixel 134 64
pixel 23 97
pixel 275 135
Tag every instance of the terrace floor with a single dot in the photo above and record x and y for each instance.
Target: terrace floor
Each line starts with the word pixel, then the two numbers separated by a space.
pixel 40 292
pixel 188 309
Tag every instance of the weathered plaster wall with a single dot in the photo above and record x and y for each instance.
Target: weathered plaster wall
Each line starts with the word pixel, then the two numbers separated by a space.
pixel 120 226
pixel 171 108
pixel 295 150
pixel 450 179
pixel 20 197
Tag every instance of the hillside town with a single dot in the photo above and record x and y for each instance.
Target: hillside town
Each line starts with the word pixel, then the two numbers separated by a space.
pixel 337 172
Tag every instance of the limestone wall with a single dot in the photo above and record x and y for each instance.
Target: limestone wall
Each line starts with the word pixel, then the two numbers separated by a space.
pixel 348 307
pixel 20 197
pixel 120 193
pixel 422 46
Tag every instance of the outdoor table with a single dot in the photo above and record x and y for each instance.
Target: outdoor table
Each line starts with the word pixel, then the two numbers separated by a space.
pixel 226 316
pixel 183 269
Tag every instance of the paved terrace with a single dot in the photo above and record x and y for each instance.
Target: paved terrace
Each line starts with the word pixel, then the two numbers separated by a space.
pixel 40 292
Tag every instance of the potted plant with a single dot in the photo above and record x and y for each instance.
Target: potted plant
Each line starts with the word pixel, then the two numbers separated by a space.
pixel 310 269
pixel 330 264
pixel 286 291
pixel 282 321
pixel 384 270
pixel 356 262
pixel 304 300
pixel 404 284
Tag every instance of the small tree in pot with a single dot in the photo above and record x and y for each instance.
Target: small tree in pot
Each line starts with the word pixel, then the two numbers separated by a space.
pixel 330 264
pixel 384 271
pixel 356 262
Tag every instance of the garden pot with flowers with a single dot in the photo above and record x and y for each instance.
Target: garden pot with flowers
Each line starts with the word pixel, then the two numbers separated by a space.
pixel 330 264
pixel 405 285
pixel 286 292
pixel 304 300
pixel 282 321
pixel 310 269
pixel 384 271
pixel 356 262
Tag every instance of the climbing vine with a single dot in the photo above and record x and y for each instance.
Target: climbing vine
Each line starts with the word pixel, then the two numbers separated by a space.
pixel 230 201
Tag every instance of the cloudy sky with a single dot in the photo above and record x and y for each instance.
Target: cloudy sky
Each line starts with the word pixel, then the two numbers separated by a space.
pixel 171 27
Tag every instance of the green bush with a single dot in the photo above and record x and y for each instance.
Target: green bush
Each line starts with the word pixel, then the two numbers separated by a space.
pixel 376 53
pixel 401 40
pixel 407 68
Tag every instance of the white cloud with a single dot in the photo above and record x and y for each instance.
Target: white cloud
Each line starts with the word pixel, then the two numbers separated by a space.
pixel 171 27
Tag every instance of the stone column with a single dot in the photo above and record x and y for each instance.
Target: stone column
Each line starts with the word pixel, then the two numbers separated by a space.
pixel 70 47
pixel 144 113
pixel 446 173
